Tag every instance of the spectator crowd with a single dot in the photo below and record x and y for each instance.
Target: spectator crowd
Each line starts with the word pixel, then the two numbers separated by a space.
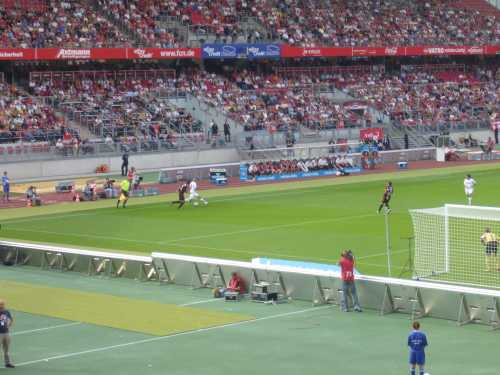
pixel 308 23
pixel 284 166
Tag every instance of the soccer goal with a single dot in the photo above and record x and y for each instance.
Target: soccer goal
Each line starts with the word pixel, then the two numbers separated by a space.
pixel 448 245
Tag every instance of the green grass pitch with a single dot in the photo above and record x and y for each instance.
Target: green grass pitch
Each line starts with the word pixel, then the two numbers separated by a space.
pixel 306 220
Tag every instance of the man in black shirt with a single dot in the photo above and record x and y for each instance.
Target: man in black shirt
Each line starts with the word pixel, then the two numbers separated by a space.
pixel 125 163
pixel 227 132
pixel 182 194
pixel 5 324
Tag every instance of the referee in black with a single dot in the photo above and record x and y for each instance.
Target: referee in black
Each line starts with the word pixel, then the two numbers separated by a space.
pixel 5 324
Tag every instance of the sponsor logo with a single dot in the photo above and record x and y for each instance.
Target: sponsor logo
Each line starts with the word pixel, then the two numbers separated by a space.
pixel 273 50
pixel 475 50
pixel 391 51
pixel 228 51
pixel 360 52
pixel 220 51
pixel 311 52
pixel 11 54
pixel 434 51
pixel 177 53
pixel 142 54
pixel 269 50
pixel 73 54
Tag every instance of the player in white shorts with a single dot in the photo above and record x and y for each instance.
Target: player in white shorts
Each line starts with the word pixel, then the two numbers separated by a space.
pixel 194 197
pixel 469 183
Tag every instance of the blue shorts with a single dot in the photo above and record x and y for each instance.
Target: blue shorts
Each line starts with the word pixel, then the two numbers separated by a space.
pixel 417 358
pixel 6 188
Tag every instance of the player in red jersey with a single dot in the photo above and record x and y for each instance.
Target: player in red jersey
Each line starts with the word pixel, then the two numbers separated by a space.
pixel 183 187
pixel 389 189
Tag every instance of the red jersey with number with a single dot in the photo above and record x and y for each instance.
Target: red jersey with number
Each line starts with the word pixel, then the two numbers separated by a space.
pixel 347 269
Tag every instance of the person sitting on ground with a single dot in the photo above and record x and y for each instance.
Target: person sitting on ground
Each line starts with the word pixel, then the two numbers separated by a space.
pixel 235 285
pixel 32 196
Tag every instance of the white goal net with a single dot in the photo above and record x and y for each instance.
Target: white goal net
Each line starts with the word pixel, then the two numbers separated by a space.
pixel 451 245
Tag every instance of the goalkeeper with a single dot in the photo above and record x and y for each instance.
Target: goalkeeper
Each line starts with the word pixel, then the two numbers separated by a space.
pixel 490 242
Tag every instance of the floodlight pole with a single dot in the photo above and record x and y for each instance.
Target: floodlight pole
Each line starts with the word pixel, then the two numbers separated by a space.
pixel 388 242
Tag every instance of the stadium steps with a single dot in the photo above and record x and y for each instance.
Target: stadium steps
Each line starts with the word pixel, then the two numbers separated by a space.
pixel 206 114
pixel 247 24
pixel 482 6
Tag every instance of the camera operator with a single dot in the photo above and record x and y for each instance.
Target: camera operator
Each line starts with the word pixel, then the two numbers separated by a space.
pixel 346 264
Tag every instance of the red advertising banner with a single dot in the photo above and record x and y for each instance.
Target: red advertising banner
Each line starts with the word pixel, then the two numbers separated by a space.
pixel 493 50
pixel 371 133
pixel 17 54
pixel 80 53
pixel 99 53
pixel 439 50
pixel 195 53
pixel 288 51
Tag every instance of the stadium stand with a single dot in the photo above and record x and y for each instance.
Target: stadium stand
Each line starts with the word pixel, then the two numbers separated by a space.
pixel 432 97
pixel 381 23
pixel 119 104
pixel 28 119
pixel 30 24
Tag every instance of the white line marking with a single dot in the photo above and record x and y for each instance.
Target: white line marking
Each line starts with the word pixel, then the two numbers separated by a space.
pixel 45 328
pixel 144 206
pixel 154 339
pixel 211 235
pixel 272 253
pixel 203 301
pixel 260 229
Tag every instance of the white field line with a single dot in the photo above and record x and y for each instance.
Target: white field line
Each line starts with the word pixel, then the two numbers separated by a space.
pixel 220 234
pixel 271 253
pixel 260 229
pixel 202 301
pixel 144 206
pixel 45 328
pixel 164 338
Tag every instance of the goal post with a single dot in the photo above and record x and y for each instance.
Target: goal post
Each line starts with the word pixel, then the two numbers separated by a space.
pixel 448 244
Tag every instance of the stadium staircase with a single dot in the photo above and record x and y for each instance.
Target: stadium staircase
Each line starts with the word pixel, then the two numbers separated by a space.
pixel 248 25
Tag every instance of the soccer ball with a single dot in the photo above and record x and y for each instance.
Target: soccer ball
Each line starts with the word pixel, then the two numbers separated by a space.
pixel 426 373
pixel 338 173
pixel 195 203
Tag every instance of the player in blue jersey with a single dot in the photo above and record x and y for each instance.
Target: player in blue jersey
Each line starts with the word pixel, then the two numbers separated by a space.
pixel 417 341
pixel 6 187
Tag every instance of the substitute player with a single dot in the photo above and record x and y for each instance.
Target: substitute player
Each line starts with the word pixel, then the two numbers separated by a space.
pixel 193 193
pixel 417 341
pixel 182 190
pixel 490 242
pixel 5 324
pixel 125 189
pixel 469 183
pixel 386 198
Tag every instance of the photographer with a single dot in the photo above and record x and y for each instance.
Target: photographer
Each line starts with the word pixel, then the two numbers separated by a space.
pixel 346 264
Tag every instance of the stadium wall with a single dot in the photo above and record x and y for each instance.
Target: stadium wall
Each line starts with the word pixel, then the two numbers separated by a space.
pixel 63 168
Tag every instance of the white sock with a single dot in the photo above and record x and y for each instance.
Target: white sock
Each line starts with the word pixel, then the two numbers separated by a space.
pixel 470 201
